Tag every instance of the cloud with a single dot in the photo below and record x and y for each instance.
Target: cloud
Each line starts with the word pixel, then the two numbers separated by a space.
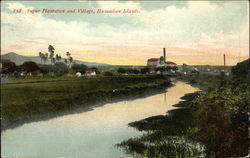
pixel 36 29
pixel 200 28
pixel 118 5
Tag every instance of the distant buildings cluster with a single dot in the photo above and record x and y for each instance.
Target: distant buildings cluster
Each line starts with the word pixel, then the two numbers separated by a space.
pixel 89 73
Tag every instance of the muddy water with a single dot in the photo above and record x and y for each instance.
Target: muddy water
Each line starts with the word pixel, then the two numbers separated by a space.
pixel 91 134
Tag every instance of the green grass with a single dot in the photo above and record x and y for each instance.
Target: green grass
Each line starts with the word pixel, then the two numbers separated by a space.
pixel 24 101
pixel 215 119
pixel 209 81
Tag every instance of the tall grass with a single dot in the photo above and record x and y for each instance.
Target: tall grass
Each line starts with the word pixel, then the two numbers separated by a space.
pixel 28 100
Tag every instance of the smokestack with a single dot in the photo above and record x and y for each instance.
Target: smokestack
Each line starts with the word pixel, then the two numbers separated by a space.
pixel 164 54
pixel 224 60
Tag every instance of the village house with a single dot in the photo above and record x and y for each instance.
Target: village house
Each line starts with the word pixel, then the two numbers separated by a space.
pixel 90 73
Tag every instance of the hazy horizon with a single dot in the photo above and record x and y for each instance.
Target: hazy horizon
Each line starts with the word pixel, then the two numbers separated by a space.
pixel 193 32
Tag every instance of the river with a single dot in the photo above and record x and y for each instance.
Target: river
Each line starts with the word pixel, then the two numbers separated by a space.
pixel 90 134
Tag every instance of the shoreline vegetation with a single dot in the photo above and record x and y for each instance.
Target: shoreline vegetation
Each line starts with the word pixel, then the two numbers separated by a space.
pixel 34 100
pixel 209 123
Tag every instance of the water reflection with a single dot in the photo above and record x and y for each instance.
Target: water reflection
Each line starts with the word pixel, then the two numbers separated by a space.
pixel 89 134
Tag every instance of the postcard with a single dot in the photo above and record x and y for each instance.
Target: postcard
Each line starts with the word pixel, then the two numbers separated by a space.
pixel 124 79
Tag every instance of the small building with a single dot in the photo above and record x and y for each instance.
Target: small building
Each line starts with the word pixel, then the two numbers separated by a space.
pixel 153 62
pixel 170 63
pixel 78 74
pixel 159 62
pixel 90 73
pixel 160 65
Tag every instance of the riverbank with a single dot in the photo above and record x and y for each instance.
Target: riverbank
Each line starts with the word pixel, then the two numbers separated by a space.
pixel 195 129
pixel 29 102
pixel 94 132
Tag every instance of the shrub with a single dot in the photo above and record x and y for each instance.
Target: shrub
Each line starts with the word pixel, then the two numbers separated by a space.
pixel 8 67
pixel 60 68
pixel 242 68
pixel 108 73
pixel 30 66
pixel 96 70
pixel 145 70
pixel 80 68
pixel 45 69
pixel 121 70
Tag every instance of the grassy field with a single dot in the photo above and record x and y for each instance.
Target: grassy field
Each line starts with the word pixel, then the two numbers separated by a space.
pixel 24 101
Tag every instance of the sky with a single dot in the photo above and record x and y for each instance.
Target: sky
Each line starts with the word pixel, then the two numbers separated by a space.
pixel 193 32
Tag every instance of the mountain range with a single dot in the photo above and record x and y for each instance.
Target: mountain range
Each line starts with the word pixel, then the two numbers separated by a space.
pixel 19 59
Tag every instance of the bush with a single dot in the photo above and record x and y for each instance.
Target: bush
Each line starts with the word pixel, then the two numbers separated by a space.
pixel 241 69
pixel 135 71
pixel 8 67
pixel 30 66
pixel 45 69
pixel 145 70
pixel 108 73
pixel 60 68
pixel 224 109
pixel 121 70
pixel 96 70
pixel 80 68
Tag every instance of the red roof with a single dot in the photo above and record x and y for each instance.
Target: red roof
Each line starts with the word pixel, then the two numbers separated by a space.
pixel 170 63
pixel 89 71
pixel 153 59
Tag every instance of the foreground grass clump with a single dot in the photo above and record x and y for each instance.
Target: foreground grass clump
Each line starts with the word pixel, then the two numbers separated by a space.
pixel 221 116
pixel 25 101
pixel 213 123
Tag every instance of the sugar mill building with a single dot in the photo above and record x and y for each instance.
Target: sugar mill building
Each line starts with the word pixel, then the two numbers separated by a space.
pixel 160 62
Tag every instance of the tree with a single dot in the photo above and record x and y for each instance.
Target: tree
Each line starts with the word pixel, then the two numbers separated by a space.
pixel 45 69
pixel 8 67
pixel 58 57
pixel 30 66
pixel 108 73
pixel 68 54
pixel 60 68
pixel 121 70
pixel 53 60
pixel 145 70
pixel 46 57
pixel 69 58
pixel 96 70
pixel 80 68
pixel 41 56
pixel 242 68
pixel 175 68
pixel 51 50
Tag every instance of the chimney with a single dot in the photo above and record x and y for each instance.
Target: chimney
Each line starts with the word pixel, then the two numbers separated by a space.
pixel 224 60
pixel 164 54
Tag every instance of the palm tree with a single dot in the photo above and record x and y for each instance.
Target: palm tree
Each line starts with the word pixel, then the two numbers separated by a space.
pixel 53 60
pixel 68 54
pixel 40 55
pixel 70 60
pixel 58 57
pixel 51 50
pixel 43 57
pixel 46 57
